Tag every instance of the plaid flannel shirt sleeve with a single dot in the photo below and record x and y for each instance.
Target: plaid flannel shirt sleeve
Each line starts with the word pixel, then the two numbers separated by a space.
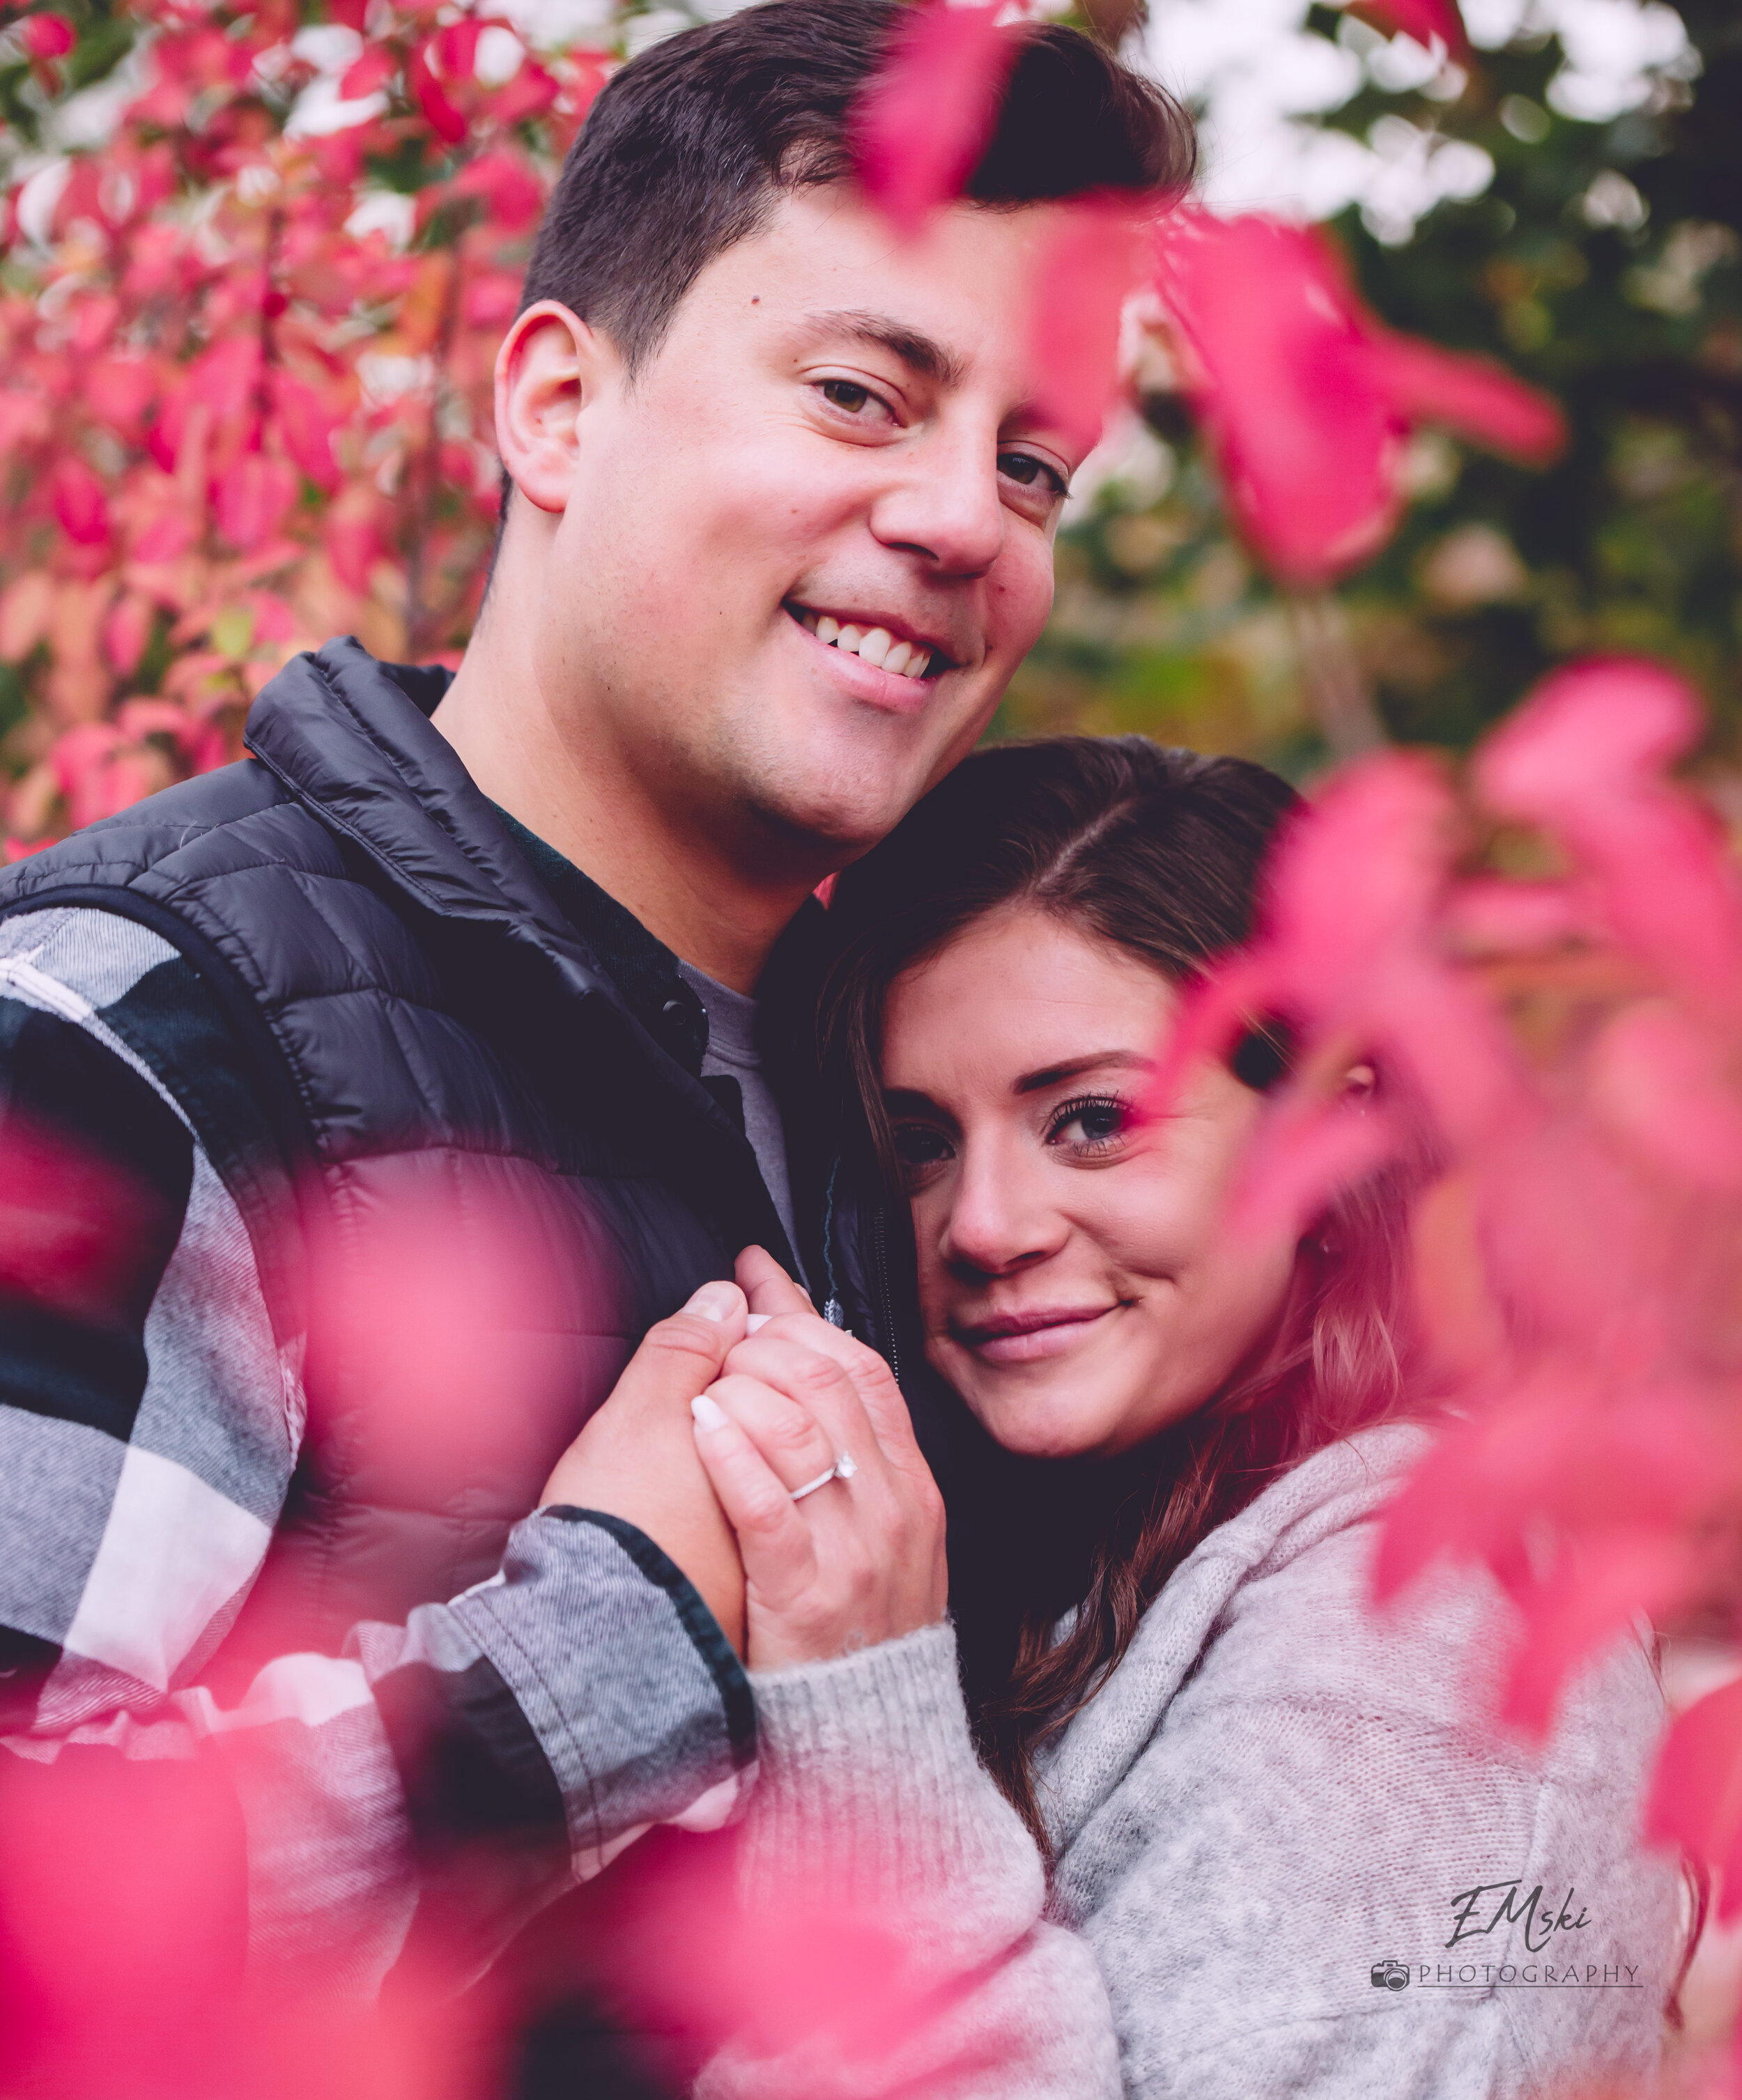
pixel 151 1416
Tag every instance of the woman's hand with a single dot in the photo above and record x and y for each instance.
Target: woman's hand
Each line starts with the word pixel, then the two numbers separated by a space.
pixel 858 1560
pixel 637 1458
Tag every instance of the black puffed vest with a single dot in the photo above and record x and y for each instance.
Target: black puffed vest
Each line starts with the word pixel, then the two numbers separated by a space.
pixel 428 1038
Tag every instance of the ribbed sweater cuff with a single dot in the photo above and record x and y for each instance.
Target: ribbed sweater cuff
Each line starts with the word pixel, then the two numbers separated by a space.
pixel 870 1793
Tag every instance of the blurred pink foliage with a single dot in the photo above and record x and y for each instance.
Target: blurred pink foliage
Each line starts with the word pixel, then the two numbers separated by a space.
pixel 235 416
pixel 1089 269
pixel 926 122
pixel 1562 1058
pixel 123 1945
pixel 1429 22
pixel 1306 399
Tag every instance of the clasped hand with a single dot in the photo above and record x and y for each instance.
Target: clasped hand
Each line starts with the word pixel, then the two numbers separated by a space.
pixel 858 1561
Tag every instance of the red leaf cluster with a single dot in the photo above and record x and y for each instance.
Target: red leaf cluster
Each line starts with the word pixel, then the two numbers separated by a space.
pixel 237 417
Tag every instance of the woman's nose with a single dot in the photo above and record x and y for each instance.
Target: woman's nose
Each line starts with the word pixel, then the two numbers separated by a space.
pixel 998 1221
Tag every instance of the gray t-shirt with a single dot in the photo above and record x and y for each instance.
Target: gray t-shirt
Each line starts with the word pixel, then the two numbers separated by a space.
pixel 732 1053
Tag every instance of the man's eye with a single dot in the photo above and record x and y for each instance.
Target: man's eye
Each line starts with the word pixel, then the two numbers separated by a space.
pixel 846 394
pixel 917 1144
pixel 1028 472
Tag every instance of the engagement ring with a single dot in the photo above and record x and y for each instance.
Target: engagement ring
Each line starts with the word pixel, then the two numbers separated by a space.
pixel 843 1469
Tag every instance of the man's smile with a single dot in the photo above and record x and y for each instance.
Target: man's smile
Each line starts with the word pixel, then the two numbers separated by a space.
pixel 902 691
pixel 880 638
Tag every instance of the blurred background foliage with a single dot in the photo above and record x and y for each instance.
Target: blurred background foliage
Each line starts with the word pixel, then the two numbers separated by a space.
pixel 1599 258
pixel 1565 197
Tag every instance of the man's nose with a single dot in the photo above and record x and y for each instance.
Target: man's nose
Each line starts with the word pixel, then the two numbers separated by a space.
pixel 999 1221
pixel 942 503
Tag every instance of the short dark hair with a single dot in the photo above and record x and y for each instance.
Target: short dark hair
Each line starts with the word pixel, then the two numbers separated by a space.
pixel 688 147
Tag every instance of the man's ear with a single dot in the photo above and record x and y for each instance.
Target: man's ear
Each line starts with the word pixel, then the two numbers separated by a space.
pixel 550 365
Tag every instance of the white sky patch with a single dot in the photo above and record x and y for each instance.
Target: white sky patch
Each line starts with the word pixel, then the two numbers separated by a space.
pixel 320 109
pixel 327 47
pixel 1260 80
pixel 89 118
pixel 392 212
pixel 500 55
pixel 38 193
pixel 549 25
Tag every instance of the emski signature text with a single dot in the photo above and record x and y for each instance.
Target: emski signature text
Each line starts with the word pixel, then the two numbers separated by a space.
pixel 1541 1921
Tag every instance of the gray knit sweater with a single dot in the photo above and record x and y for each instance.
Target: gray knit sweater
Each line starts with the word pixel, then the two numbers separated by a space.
pixel 1278 1801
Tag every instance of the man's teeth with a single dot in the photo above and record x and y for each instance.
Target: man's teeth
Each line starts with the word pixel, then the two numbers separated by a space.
pixel 904 660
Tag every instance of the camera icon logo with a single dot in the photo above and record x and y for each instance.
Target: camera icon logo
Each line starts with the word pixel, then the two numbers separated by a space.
pixel 1391 1975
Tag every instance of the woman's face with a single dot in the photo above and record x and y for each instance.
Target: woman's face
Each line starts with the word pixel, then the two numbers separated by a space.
pixel 1079 1289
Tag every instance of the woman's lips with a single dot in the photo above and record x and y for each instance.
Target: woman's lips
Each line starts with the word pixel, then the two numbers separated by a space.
pixel 1025 1338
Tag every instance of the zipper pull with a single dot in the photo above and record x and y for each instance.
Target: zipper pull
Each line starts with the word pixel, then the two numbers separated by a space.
pixel 834 1313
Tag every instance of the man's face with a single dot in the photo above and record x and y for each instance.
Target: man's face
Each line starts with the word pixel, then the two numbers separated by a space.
pixel 833 438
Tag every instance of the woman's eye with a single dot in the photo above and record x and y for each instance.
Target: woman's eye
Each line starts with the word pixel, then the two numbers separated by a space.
pixel 918 1146
pixel 1028 472
pixel 1091 1126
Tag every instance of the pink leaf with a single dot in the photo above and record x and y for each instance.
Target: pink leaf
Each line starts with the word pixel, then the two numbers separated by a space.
pixel 1278 365
pixel 47 36
pixel 166 537
pixel 1659 1079
pixel 374 70
pixel 1478 398
pixel 456 48
pixel 1355 878
pixel 27 609
pixel 22 416
pixel 118 390
pixel 511 193
pixel 1579 1606
pixel 126 632
pixel 141 718
pixel 1428 21
pixel 1490 916
pixel 439 113
pixel 1306 398
pixel 928 117
pixel 351 536
pixel 81 752
pixel 1597 728
pixel 1583 757
pixel 1085 278
pixel 251 499
pixel 1695 1800
pixel 1306 1155
pixel 306 426
pixel 80 503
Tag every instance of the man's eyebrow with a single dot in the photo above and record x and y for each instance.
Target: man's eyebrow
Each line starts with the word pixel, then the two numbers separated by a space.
pixel 920 352
pixel 1097 1060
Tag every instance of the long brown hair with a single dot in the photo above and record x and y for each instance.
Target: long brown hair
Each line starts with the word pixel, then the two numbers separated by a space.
pixel 1160 853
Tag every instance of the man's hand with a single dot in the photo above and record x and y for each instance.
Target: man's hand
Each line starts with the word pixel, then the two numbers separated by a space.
pixel 637 1458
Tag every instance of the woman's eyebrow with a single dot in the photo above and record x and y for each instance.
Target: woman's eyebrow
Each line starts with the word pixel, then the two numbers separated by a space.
pixel 919 352
pixel 1053 1075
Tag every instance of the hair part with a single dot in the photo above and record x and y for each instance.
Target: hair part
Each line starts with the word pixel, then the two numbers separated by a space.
pixel 1159 853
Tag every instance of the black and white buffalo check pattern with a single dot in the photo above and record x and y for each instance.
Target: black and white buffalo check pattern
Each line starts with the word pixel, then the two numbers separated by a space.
pixel 151 1414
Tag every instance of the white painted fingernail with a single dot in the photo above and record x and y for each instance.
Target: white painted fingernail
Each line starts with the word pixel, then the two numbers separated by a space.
pixel 758 1320
pixel 708 1413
